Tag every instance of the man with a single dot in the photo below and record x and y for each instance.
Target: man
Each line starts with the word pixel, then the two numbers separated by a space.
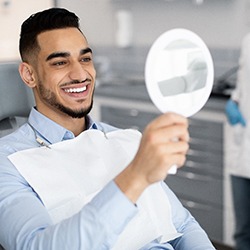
pixel 132 208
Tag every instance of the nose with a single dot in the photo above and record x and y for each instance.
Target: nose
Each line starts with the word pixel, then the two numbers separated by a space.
pixel 78 72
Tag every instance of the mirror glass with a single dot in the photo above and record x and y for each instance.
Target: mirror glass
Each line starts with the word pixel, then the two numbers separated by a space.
pixel 179 72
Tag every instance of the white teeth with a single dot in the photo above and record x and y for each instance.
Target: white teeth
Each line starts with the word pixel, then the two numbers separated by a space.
pixel 75 90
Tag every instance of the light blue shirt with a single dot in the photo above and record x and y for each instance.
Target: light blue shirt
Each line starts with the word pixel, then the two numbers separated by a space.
pixel 25 223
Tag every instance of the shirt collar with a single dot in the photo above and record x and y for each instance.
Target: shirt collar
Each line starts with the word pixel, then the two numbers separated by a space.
pixel 44 127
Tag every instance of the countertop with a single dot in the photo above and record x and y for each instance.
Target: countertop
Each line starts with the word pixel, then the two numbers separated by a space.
pixel 136 91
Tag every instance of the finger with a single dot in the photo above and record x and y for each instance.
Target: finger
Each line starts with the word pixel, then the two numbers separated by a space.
pixel 168 119
pixel 176 133
pixel 168 155
pixel 179 147
pixel 180 160
pixel 176 159
pixel 168 134
pixel 171 160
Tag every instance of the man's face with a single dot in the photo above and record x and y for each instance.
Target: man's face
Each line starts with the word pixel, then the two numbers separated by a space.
pixel 65 74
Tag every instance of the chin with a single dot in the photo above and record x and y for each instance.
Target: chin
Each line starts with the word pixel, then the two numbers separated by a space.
pixel 80 113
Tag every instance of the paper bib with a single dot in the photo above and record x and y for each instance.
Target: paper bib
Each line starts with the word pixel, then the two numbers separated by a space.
pixel 67 176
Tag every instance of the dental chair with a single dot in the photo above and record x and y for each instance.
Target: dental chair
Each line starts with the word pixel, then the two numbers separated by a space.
pixel 16 100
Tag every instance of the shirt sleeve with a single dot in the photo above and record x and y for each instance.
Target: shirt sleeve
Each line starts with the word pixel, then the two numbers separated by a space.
pixel 25 222
pixel 194 237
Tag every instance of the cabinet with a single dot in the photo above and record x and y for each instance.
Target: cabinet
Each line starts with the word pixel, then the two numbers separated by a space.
pixel 199 185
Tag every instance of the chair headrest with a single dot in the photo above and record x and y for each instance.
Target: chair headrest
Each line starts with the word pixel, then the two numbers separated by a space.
pixel 16 99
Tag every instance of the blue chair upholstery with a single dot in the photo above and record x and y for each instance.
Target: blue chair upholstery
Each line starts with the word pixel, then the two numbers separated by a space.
pixel 16 99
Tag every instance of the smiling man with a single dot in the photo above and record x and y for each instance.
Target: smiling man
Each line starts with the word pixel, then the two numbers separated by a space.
pixel 94 186
pixel 62 75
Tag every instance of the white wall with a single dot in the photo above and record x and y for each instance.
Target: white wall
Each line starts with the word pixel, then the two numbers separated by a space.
pixel 221 23
pixel 12 14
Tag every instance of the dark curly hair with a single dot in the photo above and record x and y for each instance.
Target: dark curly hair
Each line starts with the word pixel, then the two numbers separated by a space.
pixel 53 18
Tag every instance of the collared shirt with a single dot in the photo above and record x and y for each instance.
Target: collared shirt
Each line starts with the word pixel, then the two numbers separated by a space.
pixel 25 222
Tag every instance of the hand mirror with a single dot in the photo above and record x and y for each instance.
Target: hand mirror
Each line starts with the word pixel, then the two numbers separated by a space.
pixel 179 73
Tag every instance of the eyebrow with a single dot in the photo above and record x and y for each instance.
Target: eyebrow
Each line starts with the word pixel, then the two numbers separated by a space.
pixel 67 54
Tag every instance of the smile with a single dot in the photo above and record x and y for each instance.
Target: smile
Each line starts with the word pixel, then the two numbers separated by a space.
pixel 75 90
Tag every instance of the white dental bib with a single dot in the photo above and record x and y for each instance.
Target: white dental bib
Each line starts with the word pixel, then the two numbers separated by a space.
pixel 69 174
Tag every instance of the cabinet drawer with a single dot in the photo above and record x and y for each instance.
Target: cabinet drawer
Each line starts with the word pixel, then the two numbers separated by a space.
pixel 196 187
pixel 206 145
pixel 205 155
pixel 126 118
pixel 208 167
pixel 209 217
pixel 205 129
pixel 205 162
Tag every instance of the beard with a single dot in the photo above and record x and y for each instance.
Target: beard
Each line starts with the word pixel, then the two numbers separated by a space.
pixel 50 98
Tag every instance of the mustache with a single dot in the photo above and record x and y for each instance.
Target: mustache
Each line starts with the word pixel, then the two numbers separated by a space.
pixel 75 82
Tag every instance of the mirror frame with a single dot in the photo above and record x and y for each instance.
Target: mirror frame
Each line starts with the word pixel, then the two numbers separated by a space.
pixel 185 104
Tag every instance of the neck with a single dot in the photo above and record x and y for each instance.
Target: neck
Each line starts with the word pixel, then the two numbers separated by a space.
pixel 75 125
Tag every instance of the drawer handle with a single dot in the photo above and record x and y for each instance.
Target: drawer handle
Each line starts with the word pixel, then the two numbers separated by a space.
pixel 134 112
pixel 196 177
pixel 195 205
pixel 135 128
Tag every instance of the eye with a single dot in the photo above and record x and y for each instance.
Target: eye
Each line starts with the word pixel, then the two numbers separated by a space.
pixel 86 59
pixel 58 63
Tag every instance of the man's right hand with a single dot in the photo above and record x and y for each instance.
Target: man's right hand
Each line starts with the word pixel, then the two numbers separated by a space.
pixel 233 113
pixel 164 143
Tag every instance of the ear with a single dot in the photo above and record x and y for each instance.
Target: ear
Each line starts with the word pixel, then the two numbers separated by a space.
pixel 27 74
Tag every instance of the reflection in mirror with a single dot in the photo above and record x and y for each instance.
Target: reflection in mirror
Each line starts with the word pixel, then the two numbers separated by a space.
pixel 179 72
pixel 188 75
